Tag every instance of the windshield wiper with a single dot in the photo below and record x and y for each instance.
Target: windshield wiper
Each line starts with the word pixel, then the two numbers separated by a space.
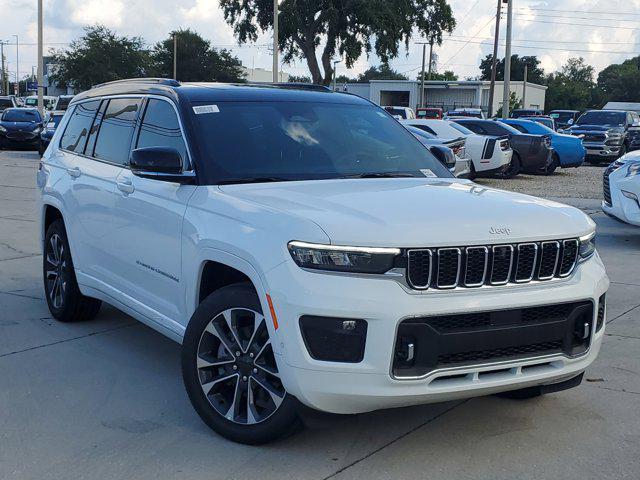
pixel 252 180
pixel 380 175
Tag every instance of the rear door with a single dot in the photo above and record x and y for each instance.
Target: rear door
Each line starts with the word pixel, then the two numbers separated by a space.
pixel 151 213
pixel 96 191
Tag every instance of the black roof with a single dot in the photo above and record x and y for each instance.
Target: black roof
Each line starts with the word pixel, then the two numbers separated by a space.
pixel 212 92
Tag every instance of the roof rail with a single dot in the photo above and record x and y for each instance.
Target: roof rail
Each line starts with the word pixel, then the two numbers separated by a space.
pixel 160 81
pixel 291 85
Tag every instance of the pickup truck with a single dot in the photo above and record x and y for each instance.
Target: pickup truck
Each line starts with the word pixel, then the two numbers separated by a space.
pixel 607 134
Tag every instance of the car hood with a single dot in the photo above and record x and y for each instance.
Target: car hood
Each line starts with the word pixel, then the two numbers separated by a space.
pixel 414 212
pixel 595 128
pixel 15 126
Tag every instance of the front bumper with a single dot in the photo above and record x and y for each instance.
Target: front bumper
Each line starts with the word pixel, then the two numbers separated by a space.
pixel 622 207
pixel 384 303
pixel 601 150
pixel 20 139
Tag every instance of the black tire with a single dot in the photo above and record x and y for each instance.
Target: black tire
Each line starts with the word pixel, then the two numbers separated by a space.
pixel 41 149
pixel 279 422
pixel 555 163
pixel 472 172
pixel 65 301
pixel 514 167
pixel 623 150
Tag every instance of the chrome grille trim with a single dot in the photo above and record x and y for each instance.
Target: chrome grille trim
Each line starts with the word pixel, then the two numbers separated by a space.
pixel 430 253
pixel 533 266
pixel 484 273
pixel 468 262
pixel 493 263
pixel 459 261
pixel 542 257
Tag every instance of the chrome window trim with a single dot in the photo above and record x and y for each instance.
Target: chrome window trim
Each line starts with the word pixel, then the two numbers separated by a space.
pixel 430 252
pixel 575 258
pixel 493 262
pixel 453 285
pixel 555 266
pixel 486 264
pixel 533 267
pixel 188 168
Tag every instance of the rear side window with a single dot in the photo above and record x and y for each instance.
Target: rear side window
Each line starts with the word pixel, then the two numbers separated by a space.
pixel 518 127
pixel 160 128
pixel 116 129
pixel 424 128
pixel 475 127
pixel 77 130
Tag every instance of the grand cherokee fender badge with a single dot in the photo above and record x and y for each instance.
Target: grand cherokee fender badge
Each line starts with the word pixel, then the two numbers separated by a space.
pixel 500 231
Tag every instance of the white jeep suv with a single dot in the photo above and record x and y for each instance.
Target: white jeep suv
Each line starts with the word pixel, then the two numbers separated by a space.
pixel 305 248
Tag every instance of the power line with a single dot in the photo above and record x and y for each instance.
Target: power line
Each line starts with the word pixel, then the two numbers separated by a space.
pixel 581 24
pixel 491 19
pixel 550 48
pixel 577 11
pixel 462 37
pixel 573 17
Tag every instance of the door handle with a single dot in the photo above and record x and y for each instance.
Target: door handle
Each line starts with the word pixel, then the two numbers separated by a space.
pixel 125 186
pixel 74 172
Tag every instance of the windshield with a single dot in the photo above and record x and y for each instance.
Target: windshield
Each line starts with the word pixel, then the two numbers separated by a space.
pixel 461 129
pixel 20 115
pixel 5 103
pixel 63 103
pixel 562 117
pixel 597 117
pixel 308 140
pixel 546 123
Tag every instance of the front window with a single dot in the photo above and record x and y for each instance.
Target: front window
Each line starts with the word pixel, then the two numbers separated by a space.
pixel 596 117
pixel 278 141
pixel 397 112
pixel 562 117
pixel 20 115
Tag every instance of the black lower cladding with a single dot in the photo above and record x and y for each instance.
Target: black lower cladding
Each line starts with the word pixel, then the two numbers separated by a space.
pixel 334 339
pixel 486 337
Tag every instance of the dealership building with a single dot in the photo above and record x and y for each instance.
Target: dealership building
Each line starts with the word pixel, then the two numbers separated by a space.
pixel 447 95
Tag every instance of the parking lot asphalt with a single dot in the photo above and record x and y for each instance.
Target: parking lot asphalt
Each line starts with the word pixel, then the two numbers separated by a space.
pixel 104 399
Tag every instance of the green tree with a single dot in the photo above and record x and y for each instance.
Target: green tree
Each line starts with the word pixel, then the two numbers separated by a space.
pixel 197 60
pixel 98 56
pixel 299 79
pixel 327 29
pixel 447 75
pixel 620 82
pixel 514 102
pixel 535 73
pixel 572 87
pixel 381 72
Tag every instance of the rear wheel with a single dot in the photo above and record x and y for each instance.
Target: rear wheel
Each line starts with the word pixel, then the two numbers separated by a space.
pixel 514 167
pixel 64 299
pixel 555 163
pixel 230 371
pixel 472 172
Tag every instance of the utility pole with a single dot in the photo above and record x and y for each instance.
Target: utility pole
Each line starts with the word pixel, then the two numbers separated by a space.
pixel 275 41
pixel 507 62
pixel 17 87
pixel 524 86
pixel 494 62
pixel 2 77
pixel 40 59
pixel 175 56
pixel 430 57
pixel 424 54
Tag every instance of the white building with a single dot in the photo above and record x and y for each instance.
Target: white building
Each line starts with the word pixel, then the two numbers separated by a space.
pixel 260 75
pixel 446 94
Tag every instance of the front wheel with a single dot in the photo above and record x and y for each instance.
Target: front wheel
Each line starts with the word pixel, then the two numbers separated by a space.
pixel 513 169
pixel 230 372
pixel 555 163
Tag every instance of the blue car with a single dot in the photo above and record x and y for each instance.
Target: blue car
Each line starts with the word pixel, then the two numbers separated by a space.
pixel 568 150
pixel 20 128
pixel 51 123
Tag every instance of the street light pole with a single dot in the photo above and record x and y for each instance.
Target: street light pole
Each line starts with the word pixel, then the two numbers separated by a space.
pixel 524 86
pixel 175 56
pixel 40 59
pixel 430 57
pixel 17 89
pixel 2 77
pixel 494 61
pixel 507 62
pixel 275 41
pixel 424 55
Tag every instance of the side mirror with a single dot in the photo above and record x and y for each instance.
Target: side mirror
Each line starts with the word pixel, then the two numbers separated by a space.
pixel 158 163
pixel 570 122
pixel 445 155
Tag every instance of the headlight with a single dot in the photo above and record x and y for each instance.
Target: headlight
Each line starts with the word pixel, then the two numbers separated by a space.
pixel 587 246
pixel 2 129
pixel 343 259
pixel 37 130
pixel 634 169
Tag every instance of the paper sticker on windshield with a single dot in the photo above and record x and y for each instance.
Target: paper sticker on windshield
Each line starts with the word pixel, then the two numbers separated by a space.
pixel 428 173
pixel 200 109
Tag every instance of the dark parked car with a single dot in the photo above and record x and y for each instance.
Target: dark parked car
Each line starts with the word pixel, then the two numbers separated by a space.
pixel 20 128
pixel 531 153
pixel 63 102
pixel 564 118
pixel 7 102
pixel 51 123
pixel 447 151
pixel 607 134
pixel 526 112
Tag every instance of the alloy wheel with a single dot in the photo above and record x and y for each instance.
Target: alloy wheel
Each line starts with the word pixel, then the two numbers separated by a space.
pixel 237 368
pixel 56 271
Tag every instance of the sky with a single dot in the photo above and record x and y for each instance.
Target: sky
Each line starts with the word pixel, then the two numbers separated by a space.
pixel 601 31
